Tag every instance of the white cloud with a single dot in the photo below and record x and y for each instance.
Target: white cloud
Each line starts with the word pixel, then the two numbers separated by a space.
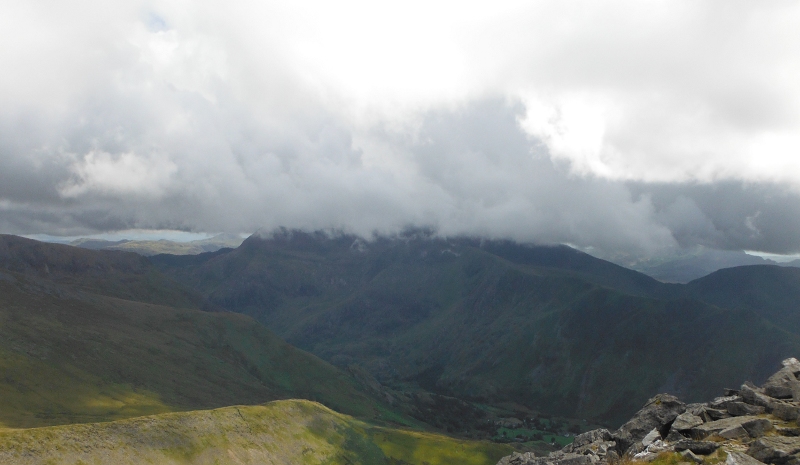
pixel 212 116
pixel 123 174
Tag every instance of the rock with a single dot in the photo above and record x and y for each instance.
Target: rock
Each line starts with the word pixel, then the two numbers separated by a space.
pixel 597 435
pixel 788 431
pixel 753 396
pixel 738 458
pixel 689 455
pixel 555 458
pixel 735 432
pixel 715 414
pixel 698 447
pixel 721 403
pixel 517 459
pixel 695 409
pixel 754 426
pixel 739 409
pixel 775 449
pixel 757 428
pixel 793 364
pixel 658 413
pixel 674 436
pixel 686 421
pixel 652 451
pixel 651 437
pixel 783 384
pixel 786 411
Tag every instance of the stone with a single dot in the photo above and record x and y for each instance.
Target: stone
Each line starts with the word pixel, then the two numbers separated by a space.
pixel 695 409
pixel 589 437
pixel 757 428
pixel 775 449
pixel 674 436
pixel 555 458
pixel 517 459
pixel 698 447
pixel 787 431
pixel 738 458
pixel 783 384
pixel 686 421
pixel 753 396
pixel 721 403
pixel 735 432
pixel 793 364
pixel 689 455
pixel 651 437
pixel 715 414
pixel 754 426
pixel 653 450
pixel 786 411
pixel 738 409
pixel 658 413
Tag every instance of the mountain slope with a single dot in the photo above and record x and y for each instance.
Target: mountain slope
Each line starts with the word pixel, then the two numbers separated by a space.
pixel 72 351
pixel 771 291
pixel 276 433
pixel 112 273
pixel 489 321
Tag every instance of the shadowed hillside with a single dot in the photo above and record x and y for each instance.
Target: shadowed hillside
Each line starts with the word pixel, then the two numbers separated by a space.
pixel 488 321
pixel 70 352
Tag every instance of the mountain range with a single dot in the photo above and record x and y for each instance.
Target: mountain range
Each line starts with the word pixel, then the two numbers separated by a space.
pixel 492 322
pixel 441 335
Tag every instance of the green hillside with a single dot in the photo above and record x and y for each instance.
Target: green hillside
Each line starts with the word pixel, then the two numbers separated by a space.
pixel 70 357
pixel 292 431
pixel 490 322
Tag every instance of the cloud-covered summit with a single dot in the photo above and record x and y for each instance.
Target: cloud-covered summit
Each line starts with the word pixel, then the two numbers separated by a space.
pixel 625 126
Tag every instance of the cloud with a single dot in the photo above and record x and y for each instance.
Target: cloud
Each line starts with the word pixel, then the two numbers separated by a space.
pixel 619 125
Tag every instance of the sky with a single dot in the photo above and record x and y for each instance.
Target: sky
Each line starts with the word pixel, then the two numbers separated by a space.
pixel 633 127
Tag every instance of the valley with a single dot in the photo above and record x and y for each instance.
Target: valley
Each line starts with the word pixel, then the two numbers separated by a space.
pixel 397 344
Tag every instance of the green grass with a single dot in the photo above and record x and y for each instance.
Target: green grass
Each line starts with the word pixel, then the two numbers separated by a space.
pixel 291 431
pixel 92 358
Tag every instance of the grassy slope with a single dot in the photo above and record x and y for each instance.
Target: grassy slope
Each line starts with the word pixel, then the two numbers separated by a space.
pixel 82 357
pixel 276 433
pixel 113 273
pixel 489 321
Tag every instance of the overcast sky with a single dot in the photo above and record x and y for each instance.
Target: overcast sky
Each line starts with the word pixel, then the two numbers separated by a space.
pixel 633 126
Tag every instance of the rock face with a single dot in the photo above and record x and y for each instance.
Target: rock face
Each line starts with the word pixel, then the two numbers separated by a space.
pixel 762 421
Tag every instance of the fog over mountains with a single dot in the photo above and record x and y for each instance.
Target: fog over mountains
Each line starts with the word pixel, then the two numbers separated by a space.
pixel 611 132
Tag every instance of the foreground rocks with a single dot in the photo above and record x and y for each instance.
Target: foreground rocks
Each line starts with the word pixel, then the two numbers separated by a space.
pixel 749 426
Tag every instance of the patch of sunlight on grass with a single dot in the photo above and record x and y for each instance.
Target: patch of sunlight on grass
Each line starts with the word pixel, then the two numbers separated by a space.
pixel 433 449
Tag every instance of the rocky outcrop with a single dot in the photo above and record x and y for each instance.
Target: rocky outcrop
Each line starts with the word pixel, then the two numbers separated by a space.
pixel 750 426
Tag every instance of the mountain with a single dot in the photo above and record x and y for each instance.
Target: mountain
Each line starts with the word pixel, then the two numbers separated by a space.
pixel 148 248
pixel 491 322
pixel 771 291
pixel 88 336
pixel 291 431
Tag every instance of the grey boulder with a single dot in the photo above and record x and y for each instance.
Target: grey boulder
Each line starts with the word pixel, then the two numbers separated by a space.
pixel 658 413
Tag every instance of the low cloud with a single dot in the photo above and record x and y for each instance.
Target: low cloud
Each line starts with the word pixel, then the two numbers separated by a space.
pixel 615 125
